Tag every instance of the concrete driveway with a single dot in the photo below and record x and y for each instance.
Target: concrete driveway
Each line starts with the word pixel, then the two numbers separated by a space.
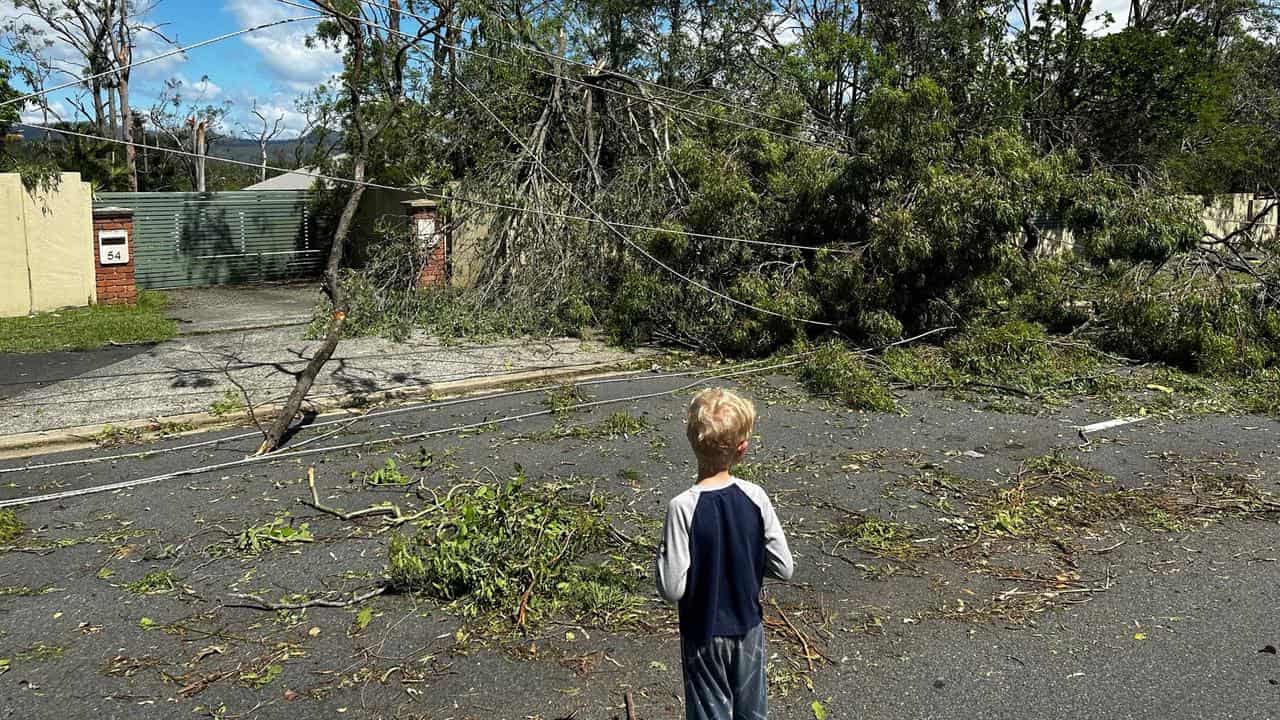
pixel 241 307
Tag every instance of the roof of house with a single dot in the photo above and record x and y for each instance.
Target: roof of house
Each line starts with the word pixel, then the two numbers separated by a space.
pixel 300 179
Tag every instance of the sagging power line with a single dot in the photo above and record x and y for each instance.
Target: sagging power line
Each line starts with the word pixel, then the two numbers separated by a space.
pixel 596 216
pixel 621 235
pixel 376 414
pixel 393 439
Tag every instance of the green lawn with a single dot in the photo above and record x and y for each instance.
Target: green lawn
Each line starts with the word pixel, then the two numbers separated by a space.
pixel 89 327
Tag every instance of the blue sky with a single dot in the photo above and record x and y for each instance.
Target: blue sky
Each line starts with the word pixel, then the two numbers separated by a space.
pixel 271 67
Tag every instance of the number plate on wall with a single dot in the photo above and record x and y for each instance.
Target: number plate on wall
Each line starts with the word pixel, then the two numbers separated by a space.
pixel 113 247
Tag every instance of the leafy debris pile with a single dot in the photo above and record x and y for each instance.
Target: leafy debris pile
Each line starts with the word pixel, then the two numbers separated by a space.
pixel 516 554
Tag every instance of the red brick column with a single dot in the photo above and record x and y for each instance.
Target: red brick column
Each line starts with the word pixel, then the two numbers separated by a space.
pixel 424 222
pixel 115 281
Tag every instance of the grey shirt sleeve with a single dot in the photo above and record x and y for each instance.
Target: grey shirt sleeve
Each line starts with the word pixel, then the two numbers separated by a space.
pixel 671 567
pixel 778 562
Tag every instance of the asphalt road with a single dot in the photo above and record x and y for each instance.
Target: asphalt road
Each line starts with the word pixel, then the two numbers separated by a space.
pixel 1157 624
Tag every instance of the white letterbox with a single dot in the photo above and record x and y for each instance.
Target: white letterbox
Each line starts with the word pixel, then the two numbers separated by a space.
pixel 113 247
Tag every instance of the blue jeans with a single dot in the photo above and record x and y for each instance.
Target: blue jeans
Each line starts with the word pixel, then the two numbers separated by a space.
pixel 724 679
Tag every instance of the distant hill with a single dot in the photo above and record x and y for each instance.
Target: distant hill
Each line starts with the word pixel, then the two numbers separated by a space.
pixel 279 152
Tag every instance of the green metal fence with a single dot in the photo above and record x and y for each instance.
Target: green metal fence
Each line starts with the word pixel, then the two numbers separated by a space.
pixel 182 239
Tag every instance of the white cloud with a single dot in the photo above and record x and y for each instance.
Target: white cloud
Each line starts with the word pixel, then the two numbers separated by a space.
pixel 1097 24
pixel 283 49
pixel 34 114
pixel 68 62
pixel 147 45
pixel 786 29
pixel 244 123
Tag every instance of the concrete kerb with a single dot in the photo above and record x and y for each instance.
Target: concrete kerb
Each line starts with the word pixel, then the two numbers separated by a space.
pixel 30 444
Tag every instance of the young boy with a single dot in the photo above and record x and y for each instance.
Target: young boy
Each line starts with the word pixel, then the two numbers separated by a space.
pixel 720 539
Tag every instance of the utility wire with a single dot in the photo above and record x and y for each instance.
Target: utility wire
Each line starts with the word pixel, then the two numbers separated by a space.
pixel 738 369
pixel 438 196
pixel 162 56
pixel 529 48
pixel 271 457
pixel 48 401
pixel 180 372
pixel 243 31
pixel 613 227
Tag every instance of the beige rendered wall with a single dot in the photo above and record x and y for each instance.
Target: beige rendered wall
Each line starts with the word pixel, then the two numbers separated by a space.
pixel 15 281
pixel 469 237
pixel 48 246
pixel 60 245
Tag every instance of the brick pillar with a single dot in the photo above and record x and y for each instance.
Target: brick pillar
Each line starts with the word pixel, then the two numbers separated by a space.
pixel 115 276
pixel 424 223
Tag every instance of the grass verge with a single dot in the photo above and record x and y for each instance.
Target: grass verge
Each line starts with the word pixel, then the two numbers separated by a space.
pixel 90 327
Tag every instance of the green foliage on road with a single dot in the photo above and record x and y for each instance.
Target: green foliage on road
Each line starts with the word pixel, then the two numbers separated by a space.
pixel 514 554
pixel 834 371
pixel 11 527
pixel 90 327
pixel 280 531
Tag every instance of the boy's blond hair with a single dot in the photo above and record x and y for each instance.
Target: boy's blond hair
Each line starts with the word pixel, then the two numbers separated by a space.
pixel 719 420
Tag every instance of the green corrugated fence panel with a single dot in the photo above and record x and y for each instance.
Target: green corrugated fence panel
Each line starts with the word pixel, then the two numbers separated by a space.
pixel 183 239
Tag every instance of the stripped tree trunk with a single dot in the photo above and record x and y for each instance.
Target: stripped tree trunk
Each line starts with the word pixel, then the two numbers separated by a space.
pixel 355 65
pixel 333 333
pixel 124 56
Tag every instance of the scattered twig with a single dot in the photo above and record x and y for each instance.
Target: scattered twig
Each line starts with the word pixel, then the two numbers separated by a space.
pixel 523 610
pixel 1105 550
pixel 394 516
pixel 977 536
pixel 257 603
pixel 200 684
pixel 631 705
pixel 804 641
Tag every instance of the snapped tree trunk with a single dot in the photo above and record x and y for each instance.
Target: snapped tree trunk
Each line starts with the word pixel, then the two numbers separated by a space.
pixel 124 56
pixel 333 332
pixel 362 135
pixel 126 127
pixel 200 129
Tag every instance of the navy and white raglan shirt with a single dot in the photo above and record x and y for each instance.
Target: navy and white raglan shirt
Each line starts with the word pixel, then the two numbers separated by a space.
pixel 717 545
